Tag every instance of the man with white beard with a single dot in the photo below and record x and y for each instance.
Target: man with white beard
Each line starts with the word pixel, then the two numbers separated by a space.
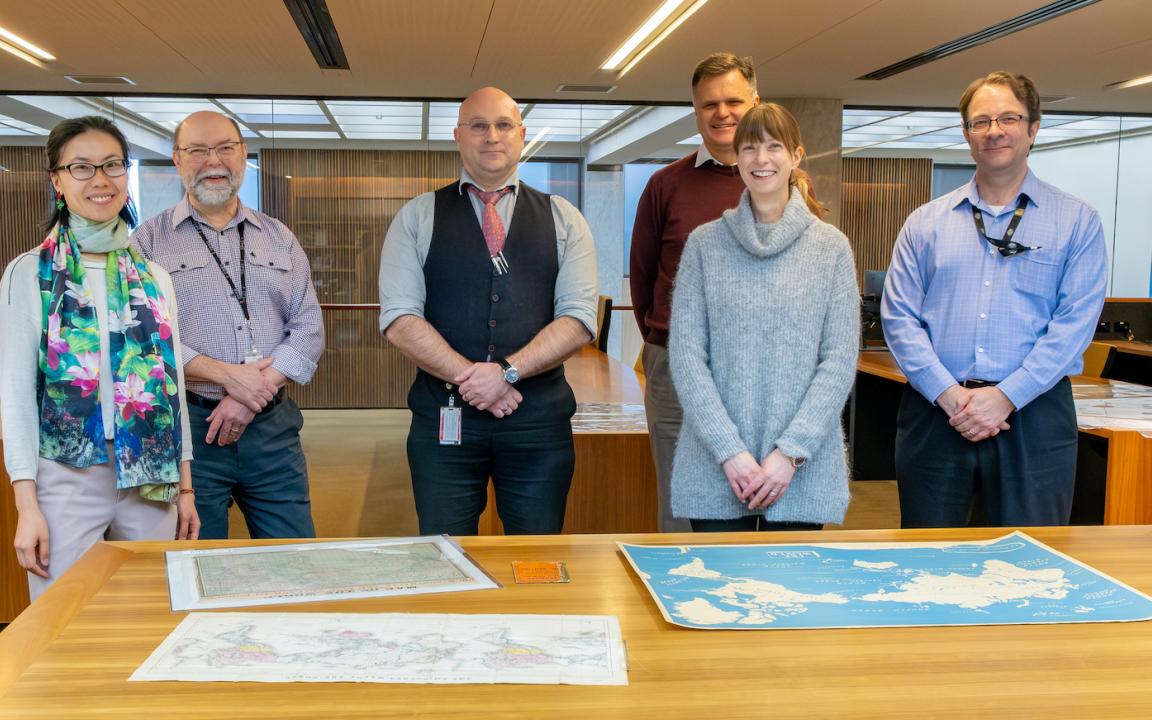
pixel 249 324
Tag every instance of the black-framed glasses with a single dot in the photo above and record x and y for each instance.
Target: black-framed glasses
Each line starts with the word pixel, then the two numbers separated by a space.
pixel 480 128
pixel 87 171
pixel 224 151
pixel 1006 122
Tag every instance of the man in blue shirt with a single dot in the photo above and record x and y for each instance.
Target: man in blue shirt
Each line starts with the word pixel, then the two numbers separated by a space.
pixel 990 301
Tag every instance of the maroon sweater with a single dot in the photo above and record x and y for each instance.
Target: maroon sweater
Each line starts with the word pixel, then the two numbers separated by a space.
pixel 677 200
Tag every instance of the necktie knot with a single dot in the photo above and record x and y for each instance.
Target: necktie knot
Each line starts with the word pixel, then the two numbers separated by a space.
pixel 489 198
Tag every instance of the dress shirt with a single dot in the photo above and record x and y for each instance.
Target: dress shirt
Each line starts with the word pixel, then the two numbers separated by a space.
pixel 955 309
pixel 704 156
pixel 286 322
pixel 402 290
pixel 22 327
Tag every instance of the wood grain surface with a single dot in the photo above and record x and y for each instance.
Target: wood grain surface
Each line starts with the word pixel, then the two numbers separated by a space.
pixel 70 655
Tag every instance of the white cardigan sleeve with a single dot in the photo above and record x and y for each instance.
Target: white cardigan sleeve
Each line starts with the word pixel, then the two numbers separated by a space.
pixel 20 329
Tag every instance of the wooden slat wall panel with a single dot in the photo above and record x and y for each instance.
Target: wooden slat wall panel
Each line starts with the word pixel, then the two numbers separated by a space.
pixel 340 204
pixel 25 197
pixel 359 369
pixel 878 195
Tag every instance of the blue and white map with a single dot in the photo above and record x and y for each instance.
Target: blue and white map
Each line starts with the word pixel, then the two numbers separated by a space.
pixel 1010 580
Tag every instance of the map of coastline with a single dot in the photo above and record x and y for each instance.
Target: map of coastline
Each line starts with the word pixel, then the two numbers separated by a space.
pixel 1012 579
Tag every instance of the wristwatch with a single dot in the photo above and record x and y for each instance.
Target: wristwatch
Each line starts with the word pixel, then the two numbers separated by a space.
pixel 511 374
pixel 796 461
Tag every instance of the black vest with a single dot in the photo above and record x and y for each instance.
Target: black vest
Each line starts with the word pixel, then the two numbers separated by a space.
pixel 485 316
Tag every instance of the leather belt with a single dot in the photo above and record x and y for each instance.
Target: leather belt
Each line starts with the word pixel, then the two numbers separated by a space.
pixel 211 403
pixel 980 383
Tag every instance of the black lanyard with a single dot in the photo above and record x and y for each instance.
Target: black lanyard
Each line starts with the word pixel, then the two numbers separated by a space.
pixel 241 295
pixel 1005 245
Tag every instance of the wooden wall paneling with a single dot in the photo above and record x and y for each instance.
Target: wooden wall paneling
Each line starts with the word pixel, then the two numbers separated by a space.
pixel 340 204
pixel 25 197
pixel 878 195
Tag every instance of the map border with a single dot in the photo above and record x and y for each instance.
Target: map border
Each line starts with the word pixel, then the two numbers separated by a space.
pixel 623 548
pixel 184 587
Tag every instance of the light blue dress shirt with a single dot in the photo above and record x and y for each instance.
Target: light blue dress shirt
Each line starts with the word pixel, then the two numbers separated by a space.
pixel 955 309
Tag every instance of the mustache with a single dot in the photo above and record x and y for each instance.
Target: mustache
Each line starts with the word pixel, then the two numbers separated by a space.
pixel 214 172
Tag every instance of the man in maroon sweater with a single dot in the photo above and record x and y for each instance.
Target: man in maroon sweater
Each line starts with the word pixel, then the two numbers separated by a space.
pixel 678 198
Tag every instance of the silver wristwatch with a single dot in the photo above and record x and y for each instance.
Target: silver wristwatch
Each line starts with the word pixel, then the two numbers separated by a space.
pixel 511 374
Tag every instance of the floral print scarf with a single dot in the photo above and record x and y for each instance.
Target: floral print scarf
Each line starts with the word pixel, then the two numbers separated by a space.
pixel 146 437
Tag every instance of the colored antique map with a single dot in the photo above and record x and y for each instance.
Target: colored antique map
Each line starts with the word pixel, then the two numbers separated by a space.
pixel 302 572
pixel 1013 579
pixel 392 647
pixel 253 575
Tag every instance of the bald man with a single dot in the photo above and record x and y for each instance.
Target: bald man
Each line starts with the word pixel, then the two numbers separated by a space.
pixel 249 325
pixel 488 285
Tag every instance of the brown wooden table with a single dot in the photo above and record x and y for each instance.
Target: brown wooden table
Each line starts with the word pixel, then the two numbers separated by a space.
pixel 70 654
pixel 614 482
pixel 1128 481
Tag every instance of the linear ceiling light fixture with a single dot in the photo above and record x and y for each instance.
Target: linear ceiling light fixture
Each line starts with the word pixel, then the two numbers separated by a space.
pixel 12 43
pixel 315 24
pixel 1134 82
pixel 988 34
pixel 669 16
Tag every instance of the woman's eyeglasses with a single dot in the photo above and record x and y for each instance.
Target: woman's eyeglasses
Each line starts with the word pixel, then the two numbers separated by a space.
pixel 87 171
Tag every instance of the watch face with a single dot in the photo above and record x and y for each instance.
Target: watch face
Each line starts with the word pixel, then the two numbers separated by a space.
pixel 511 375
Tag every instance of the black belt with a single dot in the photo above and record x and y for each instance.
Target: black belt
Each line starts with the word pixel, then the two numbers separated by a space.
pixel 210 403
pixel 980 383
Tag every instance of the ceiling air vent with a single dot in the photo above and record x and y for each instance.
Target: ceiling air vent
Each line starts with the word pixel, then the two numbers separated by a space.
pixel 995 32
pixel 315 24
pixel 569 87
pixel 99 79
pixel 1053 99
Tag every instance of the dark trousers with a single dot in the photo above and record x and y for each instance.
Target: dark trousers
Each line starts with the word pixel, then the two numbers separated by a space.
pixel 1023 476
pixel 530 464
pixel 264 472
pixel 750 523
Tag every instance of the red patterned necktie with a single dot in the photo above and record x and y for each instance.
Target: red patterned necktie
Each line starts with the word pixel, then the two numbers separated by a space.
pixel 491 224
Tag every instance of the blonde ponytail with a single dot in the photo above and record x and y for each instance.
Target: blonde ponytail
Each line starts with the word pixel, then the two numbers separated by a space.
pixel 803 182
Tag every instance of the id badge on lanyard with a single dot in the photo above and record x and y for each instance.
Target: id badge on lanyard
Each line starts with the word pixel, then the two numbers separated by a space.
pixel 450 422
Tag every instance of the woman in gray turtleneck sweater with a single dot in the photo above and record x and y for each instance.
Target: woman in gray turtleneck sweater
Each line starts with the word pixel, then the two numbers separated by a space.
pixel 762 345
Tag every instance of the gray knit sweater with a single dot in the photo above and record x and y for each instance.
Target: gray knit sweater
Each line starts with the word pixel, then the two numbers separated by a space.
pixel 762 346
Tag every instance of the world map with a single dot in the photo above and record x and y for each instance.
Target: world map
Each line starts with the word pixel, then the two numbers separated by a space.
pixel 1009 580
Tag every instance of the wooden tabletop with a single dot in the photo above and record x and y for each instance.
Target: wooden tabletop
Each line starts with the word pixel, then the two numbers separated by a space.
pixel 70 654
pixel 1132 347
pixel 597 377
pixel 881 364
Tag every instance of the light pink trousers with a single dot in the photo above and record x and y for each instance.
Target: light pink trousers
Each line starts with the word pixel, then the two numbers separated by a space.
pixel 82 506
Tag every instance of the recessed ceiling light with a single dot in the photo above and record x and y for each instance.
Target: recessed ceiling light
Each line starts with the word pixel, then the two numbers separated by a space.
pixel 651 33
pixel 1134 82
pixel 20 47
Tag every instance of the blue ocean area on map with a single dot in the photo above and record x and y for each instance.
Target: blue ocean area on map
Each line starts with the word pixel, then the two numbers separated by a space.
pixel 1010 580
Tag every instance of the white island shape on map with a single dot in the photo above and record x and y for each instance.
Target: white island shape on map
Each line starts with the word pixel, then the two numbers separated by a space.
pixel 999 582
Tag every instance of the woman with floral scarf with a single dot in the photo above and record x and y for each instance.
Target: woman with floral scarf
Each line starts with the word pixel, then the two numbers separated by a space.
pixel 96 442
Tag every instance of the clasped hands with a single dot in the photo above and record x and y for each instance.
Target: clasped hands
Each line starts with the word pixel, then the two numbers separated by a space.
pixel 976 413
pixel 249 387
pixel 482 386
pixel 758 485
